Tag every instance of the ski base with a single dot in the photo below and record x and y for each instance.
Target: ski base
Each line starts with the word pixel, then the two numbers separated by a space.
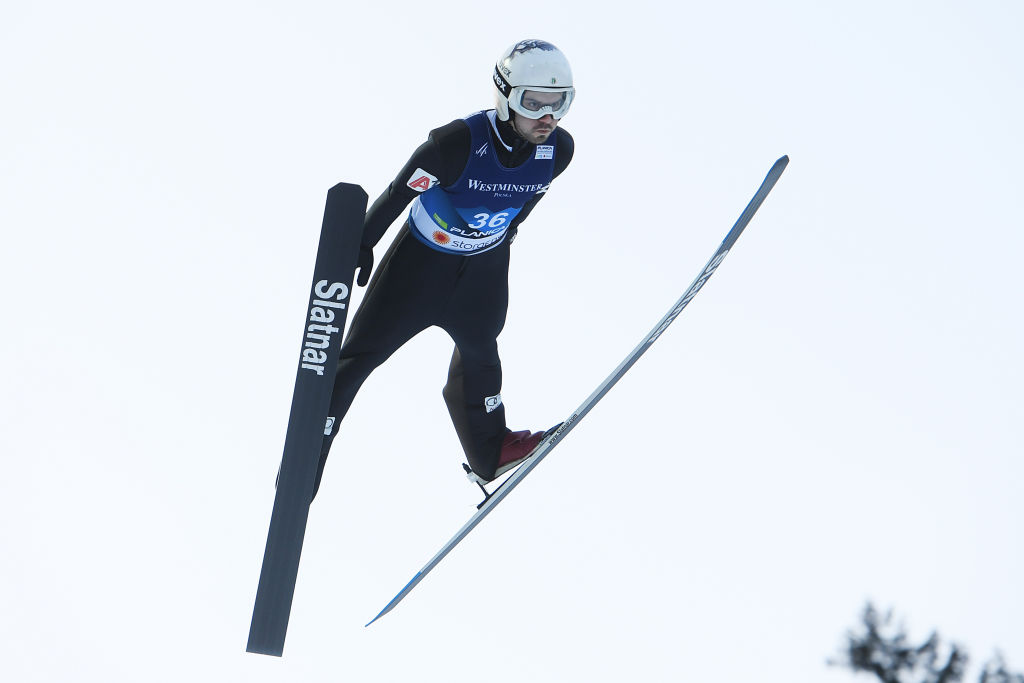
pixel 338 249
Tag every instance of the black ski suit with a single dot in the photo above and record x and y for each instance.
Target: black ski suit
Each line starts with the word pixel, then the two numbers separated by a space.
pixel 416 287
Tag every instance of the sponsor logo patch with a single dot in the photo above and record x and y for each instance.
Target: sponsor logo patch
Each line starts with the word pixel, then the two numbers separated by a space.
pixel 492 403
pixel 545 152
pixel 441 237
pixel 329 427
pixel 421 181
pixel 480 186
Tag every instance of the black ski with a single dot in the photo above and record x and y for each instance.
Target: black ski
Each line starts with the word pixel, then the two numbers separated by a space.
pixel 322 331
pixel 554 438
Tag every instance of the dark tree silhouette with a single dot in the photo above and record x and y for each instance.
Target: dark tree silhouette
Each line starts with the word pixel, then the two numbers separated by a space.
pixel 995 672
pixel 882 648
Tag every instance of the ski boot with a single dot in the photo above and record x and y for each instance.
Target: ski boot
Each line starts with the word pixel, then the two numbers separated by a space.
pixel 515 448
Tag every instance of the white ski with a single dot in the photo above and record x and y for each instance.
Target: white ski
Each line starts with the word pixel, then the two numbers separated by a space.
pixel 555 437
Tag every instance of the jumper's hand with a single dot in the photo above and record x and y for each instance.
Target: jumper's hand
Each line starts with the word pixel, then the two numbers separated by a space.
pixel 364 265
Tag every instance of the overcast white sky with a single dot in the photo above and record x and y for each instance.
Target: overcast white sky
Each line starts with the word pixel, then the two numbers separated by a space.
pixel 836 418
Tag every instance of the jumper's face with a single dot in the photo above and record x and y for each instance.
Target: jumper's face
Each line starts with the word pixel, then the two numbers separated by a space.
pixel 536 112
pixel 535 131
pixel 535 103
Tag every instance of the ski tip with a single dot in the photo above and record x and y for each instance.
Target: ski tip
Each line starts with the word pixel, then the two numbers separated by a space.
pixel 783 160
pixel 349 191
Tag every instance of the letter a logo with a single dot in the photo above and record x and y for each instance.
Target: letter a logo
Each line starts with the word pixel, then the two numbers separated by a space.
pixel 421 181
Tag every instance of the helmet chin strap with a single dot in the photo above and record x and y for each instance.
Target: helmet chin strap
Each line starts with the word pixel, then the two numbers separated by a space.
pixel 512 124
pixel 514 139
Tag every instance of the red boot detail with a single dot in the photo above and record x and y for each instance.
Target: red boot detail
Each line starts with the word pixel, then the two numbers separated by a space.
pixel 515 448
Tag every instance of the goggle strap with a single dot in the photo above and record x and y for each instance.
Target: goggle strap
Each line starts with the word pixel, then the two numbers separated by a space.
pixel 503 85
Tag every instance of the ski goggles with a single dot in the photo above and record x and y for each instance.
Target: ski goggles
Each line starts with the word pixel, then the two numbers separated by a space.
pixel 537 102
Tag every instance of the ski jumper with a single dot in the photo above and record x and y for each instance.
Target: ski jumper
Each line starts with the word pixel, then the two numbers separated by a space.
pixel 471 185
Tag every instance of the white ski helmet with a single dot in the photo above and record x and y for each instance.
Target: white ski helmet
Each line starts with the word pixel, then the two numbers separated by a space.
pixel 537 66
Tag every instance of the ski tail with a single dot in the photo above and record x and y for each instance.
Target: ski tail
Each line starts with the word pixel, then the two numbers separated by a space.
pixel 398 598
